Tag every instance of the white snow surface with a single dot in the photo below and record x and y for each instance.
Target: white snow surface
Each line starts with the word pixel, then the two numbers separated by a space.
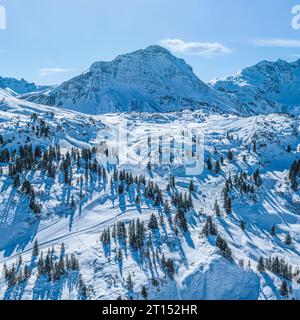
pixel 201 272
pixel 152 89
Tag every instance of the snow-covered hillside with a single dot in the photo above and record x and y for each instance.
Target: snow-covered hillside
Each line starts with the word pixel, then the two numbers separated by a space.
pixel 147 231
pixel 264 88
pixel 150 80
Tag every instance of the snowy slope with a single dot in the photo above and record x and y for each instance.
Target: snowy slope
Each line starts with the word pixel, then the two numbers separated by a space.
pixel 201 272
pixel 78 190
pixel 264 88
pixel 150 80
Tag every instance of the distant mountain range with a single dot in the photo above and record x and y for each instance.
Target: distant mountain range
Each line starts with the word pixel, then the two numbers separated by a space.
pixel 153 80
pixel 20 86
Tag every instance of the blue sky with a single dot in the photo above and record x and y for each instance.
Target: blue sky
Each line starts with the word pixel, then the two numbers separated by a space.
pixel 49 41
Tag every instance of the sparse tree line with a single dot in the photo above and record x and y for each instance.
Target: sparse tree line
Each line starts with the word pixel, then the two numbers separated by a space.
pixel 51 161
pixel 136 237
pixel 148 189
pixel 52 265
pixel 183 202
pixel 38 127
pixel 216 166
pixel 243 184
pixel 276 265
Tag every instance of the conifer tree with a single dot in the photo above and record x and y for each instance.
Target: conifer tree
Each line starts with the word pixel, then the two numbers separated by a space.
pixel 230 155
pixel 191 186
pixel 288 239
pixel 217 167
pixel 153 224
pixel 73 203
pixel 129 283
pixel 241 263
pixel 209 228
pixel 209 164
pixel 82 288
pixel 243 225
pixel 137 200
pixel 254 146
pixel 284 291
pixel 217 209
pixel 35 250
pixel 273 231
pixel 261 265
pixel 167 208
pixel 144 292
pixel 228 207
pixel 224 248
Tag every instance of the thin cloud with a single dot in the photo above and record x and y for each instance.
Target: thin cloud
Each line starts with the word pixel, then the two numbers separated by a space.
pixel 207 49
pixel 278 43
pixel 44 72
pixel 296 56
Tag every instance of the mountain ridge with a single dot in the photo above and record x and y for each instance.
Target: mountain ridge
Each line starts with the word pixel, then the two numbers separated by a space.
pixel 149 80
pixel 20 86
pixel 154 80
pixel 263 88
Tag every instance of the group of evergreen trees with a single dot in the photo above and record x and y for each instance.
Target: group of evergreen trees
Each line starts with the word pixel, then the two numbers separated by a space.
pixel 40 127
pixel 154 193
pixel 210 229
pixel 55 268
pixel 16 274
pixel 227 204
pixel 168 265
pixel 216 167
pixel 241 183
pixel 52 266
pixel 149 190
pixel 135 234
pixel 51 161
pixel 183 203
pixel 137 239
pixel 245 185
pixel 276 265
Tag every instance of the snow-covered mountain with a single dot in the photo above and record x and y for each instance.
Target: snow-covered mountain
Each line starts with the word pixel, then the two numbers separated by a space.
pixel 78 194
pixel 264 88
pixel 151 80
pixel 19 86
pixel 78 222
